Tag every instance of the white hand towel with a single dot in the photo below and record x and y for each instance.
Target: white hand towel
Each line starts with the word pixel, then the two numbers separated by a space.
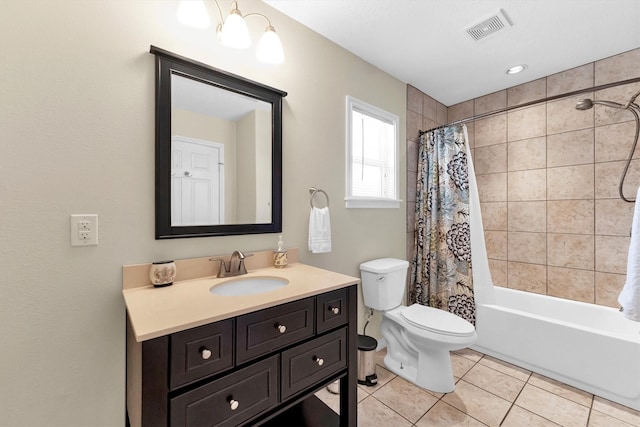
pixel 629 298
pixel 319 231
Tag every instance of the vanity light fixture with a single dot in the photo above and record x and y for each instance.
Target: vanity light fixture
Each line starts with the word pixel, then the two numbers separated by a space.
pixel 232 31
pixel 516 69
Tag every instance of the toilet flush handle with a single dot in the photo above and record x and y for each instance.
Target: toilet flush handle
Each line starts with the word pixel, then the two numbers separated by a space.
pixel 380 279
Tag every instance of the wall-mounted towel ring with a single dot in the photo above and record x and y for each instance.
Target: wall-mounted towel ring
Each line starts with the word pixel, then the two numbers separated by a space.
pixel 313 191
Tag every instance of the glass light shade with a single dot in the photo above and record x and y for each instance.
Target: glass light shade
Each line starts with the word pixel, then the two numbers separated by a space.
pixel 193 13
pixel 269 48
pixel 235 32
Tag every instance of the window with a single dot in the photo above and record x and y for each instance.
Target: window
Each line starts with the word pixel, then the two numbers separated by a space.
pixel 372 156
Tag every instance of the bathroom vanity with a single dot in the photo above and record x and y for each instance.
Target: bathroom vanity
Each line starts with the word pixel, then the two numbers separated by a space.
pixel 195 358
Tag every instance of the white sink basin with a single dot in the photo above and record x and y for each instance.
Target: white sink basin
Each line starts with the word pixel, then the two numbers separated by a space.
pixel 248 286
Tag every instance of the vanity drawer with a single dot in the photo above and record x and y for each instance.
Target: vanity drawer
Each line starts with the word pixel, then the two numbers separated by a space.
pixel 273 328
pixel 231 400
pixel 331 310
pixel 199 352
pixel 311 362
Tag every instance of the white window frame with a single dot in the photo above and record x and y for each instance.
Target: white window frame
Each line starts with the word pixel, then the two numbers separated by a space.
pixel 352 201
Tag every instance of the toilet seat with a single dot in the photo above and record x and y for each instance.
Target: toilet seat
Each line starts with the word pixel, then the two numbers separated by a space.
pixel 436 321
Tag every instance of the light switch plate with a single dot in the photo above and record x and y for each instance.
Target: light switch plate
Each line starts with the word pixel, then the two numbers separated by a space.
pixel 84 230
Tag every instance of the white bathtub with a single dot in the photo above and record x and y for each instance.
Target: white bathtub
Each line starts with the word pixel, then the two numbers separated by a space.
pixel 591 347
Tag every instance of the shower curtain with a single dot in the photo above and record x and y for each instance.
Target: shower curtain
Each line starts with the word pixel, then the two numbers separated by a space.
pixel 441 269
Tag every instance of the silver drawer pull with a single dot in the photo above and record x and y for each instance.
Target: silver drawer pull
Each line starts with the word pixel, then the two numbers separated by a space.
pixel 335 310
pixel 233 404
pixel 281 328
pixel 205 353
pixel 318 360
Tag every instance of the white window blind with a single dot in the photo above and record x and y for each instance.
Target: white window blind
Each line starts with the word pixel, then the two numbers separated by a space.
pixel 372 175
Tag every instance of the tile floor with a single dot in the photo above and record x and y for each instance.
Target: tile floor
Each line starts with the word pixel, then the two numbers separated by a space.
pixel 489 392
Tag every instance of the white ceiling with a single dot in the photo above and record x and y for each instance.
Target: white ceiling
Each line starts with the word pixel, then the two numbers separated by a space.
pixel 424 42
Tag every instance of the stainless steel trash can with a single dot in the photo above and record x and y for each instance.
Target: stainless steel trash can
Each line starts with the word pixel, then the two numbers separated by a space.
pixel 367 360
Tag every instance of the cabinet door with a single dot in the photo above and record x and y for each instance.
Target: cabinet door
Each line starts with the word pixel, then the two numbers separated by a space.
pixel 267 330
pixel 331 310
pixel 313 361
pixel 200 352
pixel 231 400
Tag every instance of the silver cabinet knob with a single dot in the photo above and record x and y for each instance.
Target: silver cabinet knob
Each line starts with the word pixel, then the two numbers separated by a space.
pixel 233 404
pixel 205 353
pixel 318 360
pixel 335 310
pixel 281 328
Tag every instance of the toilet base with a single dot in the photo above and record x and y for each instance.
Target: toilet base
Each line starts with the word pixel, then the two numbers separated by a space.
pixel 432 372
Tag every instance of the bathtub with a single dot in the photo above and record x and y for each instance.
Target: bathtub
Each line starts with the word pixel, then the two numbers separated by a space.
pixel 591 347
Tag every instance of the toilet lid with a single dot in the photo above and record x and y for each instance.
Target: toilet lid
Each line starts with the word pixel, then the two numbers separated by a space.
pixel 436 320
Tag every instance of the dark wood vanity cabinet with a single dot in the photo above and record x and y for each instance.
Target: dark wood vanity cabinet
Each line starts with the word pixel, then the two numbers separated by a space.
pixel 261 368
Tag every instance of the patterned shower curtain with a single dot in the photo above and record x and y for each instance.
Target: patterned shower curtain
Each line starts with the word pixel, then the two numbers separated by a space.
pixel 441 268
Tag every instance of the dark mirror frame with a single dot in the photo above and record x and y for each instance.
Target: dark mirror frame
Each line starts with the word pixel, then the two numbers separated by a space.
pixel 168 63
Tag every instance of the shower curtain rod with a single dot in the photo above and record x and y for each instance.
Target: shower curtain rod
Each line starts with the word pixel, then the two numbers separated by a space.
pixel 528 104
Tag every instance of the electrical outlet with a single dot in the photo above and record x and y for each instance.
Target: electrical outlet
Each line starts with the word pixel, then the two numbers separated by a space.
pixel 84 230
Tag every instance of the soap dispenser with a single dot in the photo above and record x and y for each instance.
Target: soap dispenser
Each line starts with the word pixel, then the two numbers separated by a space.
pixel 280 255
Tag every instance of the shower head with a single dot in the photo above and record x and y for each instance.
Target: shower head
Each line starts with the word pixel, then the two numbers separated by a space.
pixel 586 104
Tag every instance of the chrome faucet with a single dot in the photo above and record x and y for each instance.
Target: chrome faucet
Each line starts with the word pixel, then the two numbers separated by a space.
pixel 236 265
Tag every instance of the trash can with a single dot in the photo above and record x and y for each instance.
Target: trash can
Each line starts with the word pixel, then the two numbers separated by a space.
pixel 367 360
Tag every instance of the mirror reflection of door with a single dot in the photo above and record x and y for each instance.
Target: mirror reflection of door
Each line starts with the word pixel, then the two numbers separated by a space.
pixel 197 182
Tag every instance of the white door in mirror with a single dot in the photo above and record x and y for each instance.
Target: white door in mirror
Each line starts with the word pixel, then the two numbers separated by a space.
pixel 84 230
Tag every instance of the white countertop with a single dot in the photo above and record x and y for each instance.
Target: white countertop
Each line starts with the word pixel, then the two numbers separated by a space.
pixel 154 312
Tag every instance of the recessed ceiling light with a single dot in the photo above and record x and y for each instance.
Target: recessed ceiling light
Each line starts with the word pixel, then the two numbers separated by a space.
pixel 516 69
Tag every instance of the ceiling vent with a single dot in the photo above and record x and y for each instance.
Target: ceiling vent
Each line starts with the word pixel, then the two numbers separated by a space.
pixel 489 26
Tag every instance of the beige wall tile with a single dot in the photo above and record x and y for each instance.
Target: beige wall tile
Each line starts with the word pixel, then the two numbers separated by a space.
pixel 570 216
pixel 562 116
pixel 491 159
pixel 460 111
pixel 492 187
pixel 570 148
pixel 411 216
pixel 414 125
pixel 616 68
pixel 570 250
pixel 570 182
pixel 528 122
pixel 490 131
pixel 608 287
pixel 527 185
pixel 441 113
pixel 570 283
pixel 492 102
pixel 429 108
pixel 498 270
pixel 471 130
pixel 606 115
pixel 428 124
pixel 613 142
pixel 527 154
pixel 496 243
pixel 528 216
pixel 528 277
pixel 412 159
pixel 527 92
pixel 570 80
pixel 607 179
pixel 414 100
pixel 527 247
pixel 494 215
pixel 614 217
pixel 612 254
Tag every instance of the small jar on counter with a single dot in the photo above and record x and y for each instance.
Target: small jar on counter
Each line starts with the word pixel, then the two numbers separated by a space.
pixel 162 273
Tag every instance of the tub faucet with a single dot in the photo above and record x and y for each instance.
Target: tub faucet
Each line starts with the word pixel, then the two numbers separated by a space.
pixel 236 265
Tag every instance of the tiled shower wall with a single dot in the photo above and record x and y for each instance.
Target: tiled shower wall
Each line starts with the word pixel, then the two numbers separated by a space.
pixel 548 181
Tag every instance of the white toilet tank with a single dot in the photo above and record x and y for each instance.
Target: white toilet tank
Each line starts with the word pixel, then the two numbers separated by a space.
pixel 383 282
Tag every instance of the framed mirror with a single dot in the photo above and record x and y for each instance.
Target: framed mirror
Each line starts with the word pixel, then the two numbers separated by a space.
pixel 218 151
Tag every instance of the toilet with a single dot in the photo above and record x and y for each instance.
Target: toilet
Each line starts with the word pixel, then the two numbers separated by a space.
pixel 418 338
